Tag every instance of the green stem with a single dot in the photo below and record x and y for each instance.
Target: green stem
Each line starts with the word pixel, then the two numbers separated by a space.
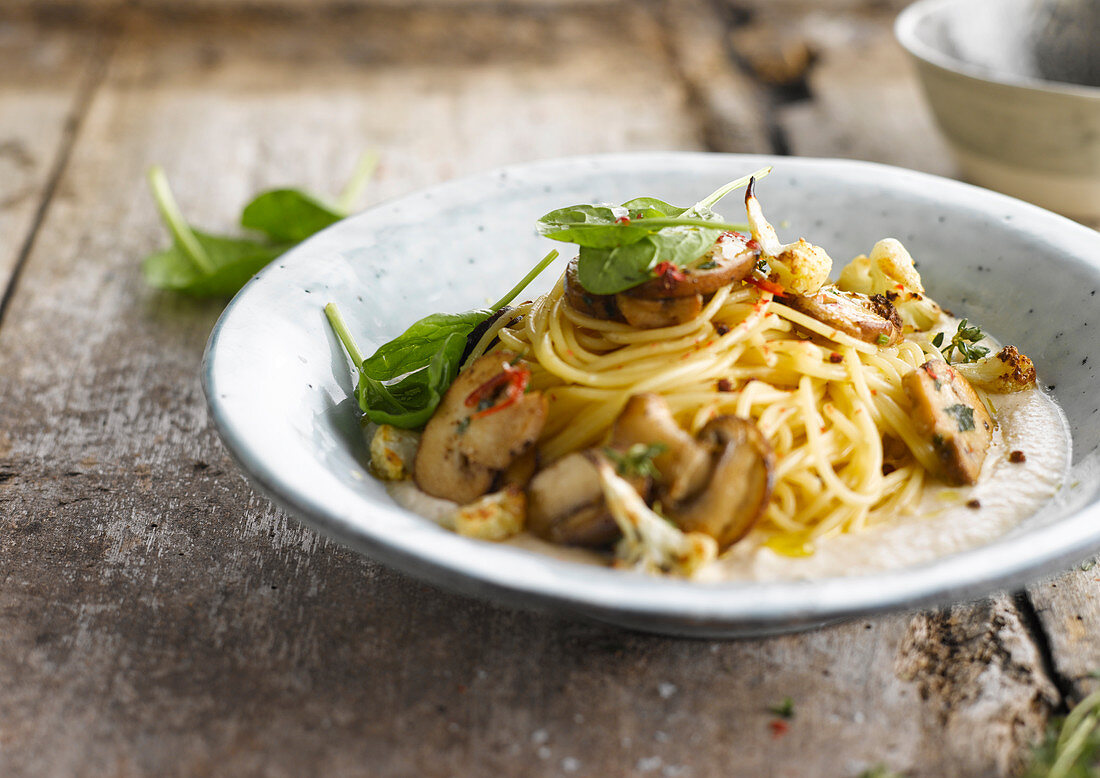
pixel 712 199
pixel 1080 710
pixel 177 225
pixel 535 271
pixel 357 184
pixel 340 327
pixel 1072 747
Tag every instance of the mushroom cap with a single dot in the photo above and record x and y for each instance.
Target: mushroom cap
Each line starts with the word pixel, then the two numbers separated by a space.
pixel 683 465
pixel 460 456
pixel 733 261
pixel 870 319
pixel 565 504
pixel 739 486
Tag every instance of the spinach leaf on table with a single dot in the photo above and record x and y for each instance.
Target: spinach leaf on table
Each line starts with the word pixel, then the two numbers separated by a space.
pixel 206 265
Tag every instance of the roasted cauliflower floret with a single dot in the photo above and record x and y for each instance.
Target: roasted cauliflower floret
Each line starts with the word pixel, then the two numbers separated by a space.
pixel 799 267
pixel 890 271
pixel 650 542
pixel 496 516
pixel 1006 371
pixel 392 451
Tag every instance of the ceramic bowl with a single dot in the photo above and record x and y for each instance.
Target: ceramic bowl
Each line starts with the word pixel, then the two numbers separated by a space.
pixel 279 385
pixel 1015 87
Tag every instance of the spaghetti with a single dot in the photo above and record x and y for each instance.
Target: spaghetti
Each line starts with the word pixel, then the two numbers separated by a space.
pixel 822 398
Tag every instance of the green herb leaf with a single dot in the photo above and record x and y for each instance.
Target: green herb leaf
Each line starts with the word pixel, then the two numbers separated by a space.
pixel 938 340
pixel 637 460
pixel 962 342
pixel 206 265
pixel 232 261
pixel 288 215
pixel 964 416
pixel 415 347
pixel 620 245
pixel 784 709
pixel 404 380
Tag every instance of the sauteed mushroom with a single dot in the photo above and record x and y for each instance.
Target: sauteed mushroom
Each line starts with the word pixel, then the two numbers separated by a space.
pixel 675 296
pixel 871 319
pixel 950 413
pixel 739 483
pixel 565 504
pixel 718 482
pixel 484 423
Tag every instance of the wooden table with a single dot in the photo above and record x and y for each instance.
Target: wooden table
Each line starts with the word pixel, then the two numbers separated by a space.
pixel 157 617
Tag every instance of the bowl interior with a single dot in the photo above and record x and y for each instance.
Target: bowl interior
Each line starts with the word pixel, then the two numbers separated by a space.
pixel 1047 40
pixel 278 382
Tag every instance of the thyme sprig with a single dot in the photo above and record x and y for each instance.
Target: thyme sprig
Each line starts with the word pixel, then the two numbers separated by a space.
pixel 963 341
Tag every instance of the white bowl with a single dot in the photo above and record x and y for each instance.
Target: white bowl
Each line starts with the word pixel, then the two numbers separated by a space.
pixel 279 386
pixel 988 70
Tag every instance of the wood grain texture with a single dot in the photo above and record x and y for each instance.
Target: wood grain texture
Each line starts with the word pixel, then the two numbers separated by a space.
pixel 43 75
pixel 157 617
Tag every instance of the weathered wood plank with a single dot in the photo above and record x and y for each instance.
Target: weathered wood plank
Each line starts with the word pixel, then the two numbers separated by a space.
pixel 730 105
pixel 42 78
pixel 866 103
pixel 159 618
pixel 1068 607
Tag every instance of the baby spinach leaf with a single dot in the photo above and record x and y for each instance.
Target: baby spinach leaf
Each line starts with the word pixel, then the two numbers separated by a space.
pixel 620 245
pixel 233 262
pixel 415 346
pixel 288 215
pixel 206 265
pixel 404 380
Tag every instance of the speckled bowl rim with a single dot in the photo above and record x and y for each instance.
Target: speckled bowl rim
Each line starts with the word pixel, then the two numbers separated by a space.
pixel 629 599
pixel 905 30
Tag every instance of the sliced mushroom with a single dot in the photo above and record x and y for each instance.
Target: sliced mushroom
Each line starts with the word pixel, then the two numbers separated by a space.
pixel 565 504
pixel 683 464
pixel 647 314
pixel 462 451
pixel 598 306
pixel 739 483
pixel 871 319
pixel 948 411
pixel 727 261
pixel 673 297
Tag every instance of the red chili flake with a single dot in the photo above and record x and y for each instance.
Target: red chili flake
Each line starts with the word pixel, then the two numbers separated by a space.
pixel 779 728
pixel 721 328
pixel 835 357
pixel 752 244
pixel 514 382
pixel 1017 457
pixel 973 504
pixel 623 220
pixel 668 271
pixel 725 385
pixel 767 285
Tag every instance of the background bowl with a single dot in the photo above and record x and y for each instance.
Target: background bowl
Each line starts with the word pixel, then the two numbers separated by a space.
pixel 278 382
pixel 1015 87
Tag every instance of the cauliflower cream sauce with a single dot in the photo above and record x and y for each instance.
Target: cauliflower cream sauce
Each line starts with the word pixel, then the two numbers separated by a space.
pixel 1007 492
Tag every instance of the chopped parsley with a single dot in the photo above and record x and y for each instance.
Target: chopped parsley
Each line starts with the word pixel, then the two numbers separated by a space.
pixel 964 416
pixel 710 264
pixel 636 460
pixel 783 709
pixel 882 340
